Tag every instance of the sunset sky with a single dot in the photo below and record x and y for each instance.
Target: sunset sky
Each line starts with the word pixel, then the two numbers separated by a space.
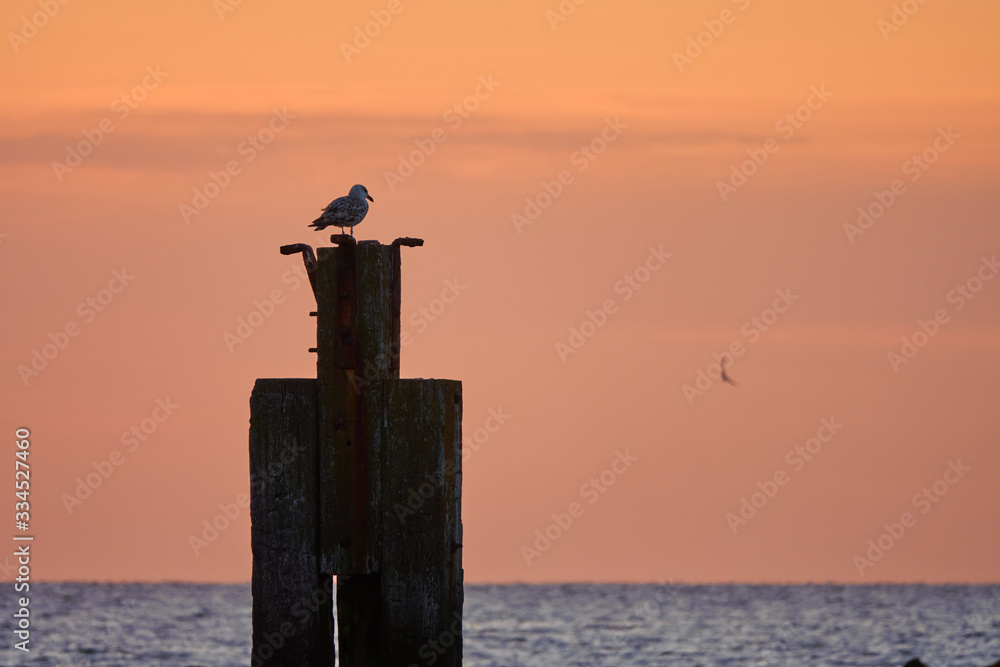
pixel 609 193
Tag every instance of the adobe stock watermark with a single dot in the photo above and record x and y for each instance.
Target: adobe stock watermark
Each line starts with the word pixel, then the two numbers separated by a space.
pixel 418 495
pixel 421 318
pixel 223 7
pixel 230 512
pixel 263 309
pixel 696 44
pixel 592 491
pixel 478 437
pixel 106 641
pixel 302 612
pixel 982 620
pixel 562 12
pixel 363 35
pixel 581 159
pixel 433 649
pixel 424 316
pixel 753 329
pixel 786 126
pixel 122 107
pixel 132 439
pixel 782 642
pixel 30 26
pixel 87 310
pixel 958 296
pixel 924 500
pixel 899 17
pixel 796 458
pixel 639 616
pixel 594 320
pixel 915 167
pixel 453 117
pixel 248 149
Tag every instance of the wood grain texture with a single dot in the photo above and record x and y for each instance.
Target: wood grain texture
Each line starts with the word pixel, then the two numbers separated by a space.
pixel 422 594
pixel 357 340
pixel 341 498
pixel 292 600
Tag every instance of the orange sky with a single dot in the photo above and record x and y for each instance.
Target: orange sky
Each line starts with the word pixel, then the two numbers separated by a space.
pixel 197 83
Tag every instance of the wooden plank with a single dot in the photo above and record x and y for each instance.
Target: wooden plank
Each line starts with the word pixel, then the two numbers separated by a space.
pixel 359 610
pixel 292 601
pixel 422 594
pixel 376 269
pixel 336 361
pixel 396 348
pixel 355 338
pixel 374 293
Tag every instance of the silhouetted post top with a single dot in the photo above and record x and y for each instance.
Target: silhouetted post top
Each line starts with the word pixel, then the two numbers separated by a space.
pixel 347 239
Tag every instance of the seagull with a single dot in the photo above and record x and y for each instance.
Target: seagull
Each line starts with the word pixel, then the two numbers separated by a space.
pixel 725 377
pixel 345 211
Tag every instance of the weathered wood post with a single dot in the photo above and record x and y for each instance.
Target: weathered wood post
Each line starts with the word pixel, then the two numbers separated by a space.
pixel 356 474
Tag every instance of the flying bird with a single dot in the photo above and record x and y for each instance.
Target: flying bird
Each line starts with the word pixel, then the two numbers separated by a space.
pixel 725 376
pixel 345 211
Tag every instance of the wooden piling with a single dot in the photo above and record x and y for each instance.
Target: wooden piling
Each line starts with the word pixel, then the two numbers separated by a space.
pixel 293 624
pixel 422 523
pixel 385 465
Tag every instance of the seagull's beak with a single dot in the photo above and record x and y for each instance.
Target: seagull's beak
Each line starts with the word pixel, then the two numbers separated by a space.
pixel 369 197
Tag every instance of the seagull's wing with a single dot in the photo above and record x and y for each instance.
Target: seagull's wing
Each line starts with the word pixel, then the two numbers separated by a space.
pixel 349 210
pixel 346 211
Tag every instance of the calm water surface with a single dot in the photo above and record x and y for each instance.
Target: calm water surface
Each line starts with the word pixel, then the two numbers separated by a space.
pixel 186 625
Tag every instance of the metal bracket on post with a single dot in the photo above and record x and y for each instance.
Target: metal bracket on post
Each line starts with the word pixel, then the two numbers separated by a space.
pixel 408 242
pixel 308 258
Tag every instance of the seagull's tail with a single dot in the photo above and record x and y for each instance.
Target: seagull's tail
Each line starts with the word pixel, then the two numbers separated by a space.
pixel 319 224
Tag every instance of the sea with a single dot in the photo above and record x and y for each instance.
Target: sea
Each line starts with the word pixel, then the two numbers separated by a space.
pixel 188 625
